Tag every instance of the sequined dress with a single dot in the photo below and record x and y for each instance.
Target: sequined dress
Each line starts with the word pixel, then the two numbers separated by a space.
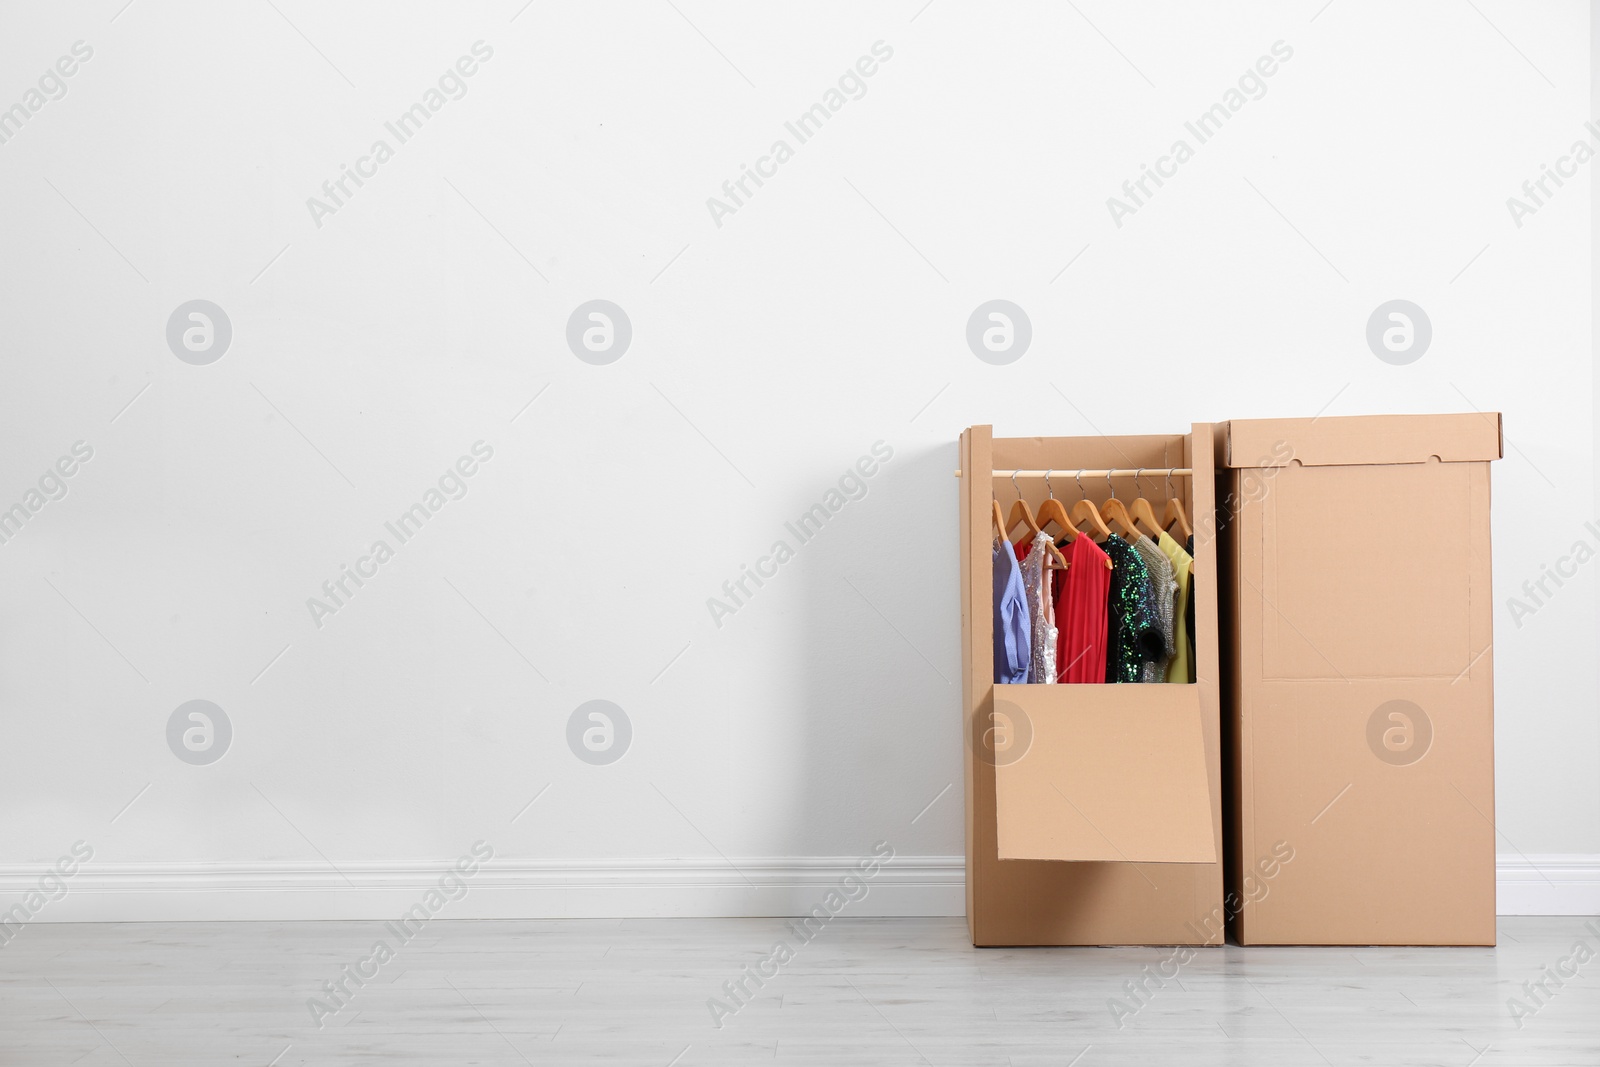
pixel 1042 666
pixel 1165 587
pixel 1133 619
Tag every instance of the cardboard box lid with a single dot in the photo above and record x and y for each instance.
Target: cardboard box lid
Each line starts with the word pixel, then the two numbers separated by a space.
pixel 1363 439
pixel 1102 773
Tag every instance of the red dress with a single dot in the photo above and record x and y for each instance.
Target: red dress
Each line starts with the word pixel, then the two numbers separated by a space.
pixel 1081 613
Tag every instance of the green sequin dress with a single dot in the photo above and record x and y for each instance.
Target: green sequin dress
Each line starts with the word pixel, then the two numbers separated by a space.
pixel 1133 619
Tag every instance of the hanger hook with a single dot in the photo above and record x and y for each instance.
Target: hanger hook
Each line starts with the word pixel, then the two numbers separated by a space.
pixel 1047 487
pixel 1015 486
pixel 1136 490
pixel 1110 485
pixel 1169 482
pixel 1079 479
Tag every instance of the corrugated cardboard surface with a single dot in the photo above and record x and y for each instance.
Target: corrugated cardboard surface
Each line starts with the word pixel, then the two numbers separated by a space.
pixel 1359 679
pixel 1057 902
pixel 1358 440
pixel 1115 775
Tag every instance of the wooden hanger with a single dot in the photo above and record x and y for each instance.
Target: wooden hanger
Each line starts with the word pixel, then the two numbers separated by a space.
pixel 1053 557
pixel 1054 560
pixel 1020 511
pixel 1052 510
pixel 1174 512
pixel 1116 511
pixel 1140 509
pixel 1085 511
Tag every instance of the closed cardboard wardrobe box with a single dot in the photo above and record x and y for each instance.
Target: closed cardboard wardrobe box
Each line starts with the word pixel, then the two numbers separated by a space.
pixel 1093 812
pixel 1358 678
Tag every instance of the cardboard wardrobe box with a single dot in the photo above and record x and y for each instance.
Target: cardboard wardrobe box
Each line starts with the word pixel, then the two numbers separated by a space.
pixel 1358 678
pixel 1093 812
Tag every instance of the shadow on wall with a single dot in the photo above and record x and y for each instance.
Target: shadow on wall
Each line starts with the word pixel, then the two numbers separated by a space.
pixel 879 660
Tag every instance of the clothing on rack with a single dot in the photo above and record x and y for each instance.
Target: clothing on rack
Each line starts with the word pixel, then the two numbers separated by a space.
pixel 1181 669
pixel 1081 593
pixel 1041 611
pixel 1117 610
pixel 1164 589
pixel 1133 625
pixel 1012 631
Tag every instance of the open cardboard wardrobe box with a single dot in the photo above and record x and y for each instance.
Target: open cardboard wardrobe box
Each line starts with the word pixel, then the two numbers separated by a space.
pixel 1094 812
pixel 1328 775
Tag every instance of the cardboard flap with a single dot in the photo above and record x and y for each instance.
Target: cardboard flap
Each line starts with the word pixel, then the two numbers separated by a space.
pixel 1363 439
pixel 1102 773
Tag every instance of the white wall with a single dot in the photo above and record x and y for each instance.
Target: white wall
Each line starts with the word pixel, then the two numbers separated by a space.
pixel 769 352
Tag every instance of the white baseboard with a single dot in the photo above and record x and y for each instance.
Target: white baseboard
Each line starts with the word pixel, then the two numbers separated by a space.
pixel 501 889
pixel 1565 884
pixel 1551 884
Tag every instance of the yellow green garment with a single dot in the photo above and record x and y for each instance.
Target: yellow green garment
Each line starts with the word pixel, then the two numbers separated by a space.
pixel 1181 669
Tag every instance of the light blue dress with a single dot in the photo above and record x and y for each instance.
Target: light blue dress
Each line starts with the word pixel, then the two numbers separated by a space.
pixel 1012 640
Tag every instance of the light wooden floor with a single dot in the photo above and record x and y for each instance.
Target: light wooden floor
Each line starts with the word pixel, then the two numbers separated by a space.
pixel 867 991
